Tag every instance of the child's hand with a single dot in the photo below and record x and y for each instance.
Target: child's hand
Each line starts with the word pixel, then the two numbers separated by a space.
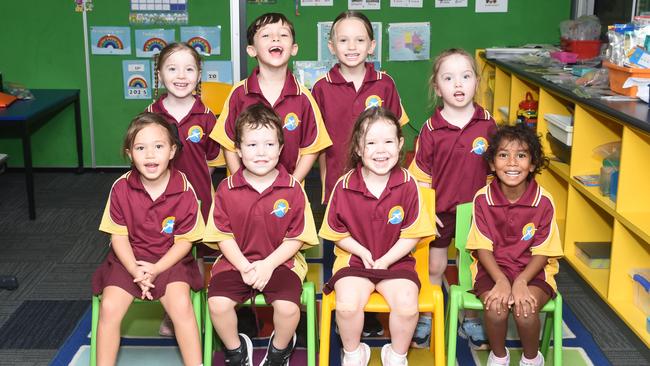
pixel 499 297
pixel 150 269
pixel 438 223
pixel 366 257
pixel 380 264
pixel 522 298
pixel 146 293
pixel 263 272
pixel 248 275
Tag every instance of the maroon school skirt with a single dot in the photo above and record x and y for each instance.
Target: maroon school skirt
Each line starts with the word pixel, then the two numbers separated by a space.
pixel 113 273
pixel 374 275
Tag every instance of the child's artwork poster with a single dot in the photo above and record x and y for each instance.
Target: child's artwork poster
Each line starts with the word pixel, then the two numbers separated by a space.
pixel 149 42
pixel 491 6
pixel 205 40
pixel 324 54
pixel 405 3
pixel 158 12
pixel 409 41
pixel 364 4
pixel 217 71
pixel 110 40
pixel 308 72
pixel 316 2
pixel 452 3
pixel 137 82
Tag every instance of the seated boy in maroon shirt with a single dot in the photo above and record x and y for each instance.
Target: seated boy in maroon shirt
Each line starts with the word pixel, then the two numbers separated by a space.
pixel 260 219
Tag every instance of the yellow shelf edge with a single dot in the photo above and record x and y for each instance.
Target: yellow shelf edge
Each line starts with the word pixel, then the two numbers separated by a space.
pixel 589 274
pixel 632 316
pixel 559 168
pixel 633 227
pixel 594 196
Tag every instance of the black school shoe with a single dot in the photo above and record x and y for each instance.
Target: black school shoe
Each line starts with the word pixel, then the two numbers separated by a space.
pixel 371 325
pixel 242 356
pixel 278 357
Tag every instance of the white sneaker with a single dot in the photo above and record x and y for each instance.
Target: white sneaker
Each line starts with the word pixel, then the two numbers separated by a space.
pixel 539 357
pixel 498 361
pixel 386 351
pixel 364 349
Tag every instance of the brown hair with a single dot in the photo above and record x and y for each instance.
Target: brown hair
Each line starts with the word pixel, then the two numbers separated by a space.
pixel 143 120
pixel 526 136
pixel 436 68
pixel 361 126
pixel 255 117
pixel 266 19
pixel 353 14
pixel 160 58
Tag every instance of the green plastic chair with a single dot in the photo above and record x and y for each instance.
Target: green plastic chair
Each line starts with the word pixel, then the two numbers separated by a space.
pixel 307 298
pixel 460 298
pixel 196 298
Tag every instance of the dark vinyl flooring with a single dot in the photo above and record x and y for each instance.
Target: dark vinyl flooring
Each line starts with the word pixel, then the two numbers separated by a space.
pixel 55 255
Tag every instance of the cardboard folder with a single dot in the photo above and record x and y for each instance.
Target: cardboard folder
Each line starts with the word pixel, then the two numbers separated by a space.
pixel 6 100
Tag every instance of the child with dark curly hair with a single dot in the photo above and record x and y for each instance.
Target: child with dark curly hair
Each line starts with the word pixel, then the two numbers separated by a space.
pixel 515 243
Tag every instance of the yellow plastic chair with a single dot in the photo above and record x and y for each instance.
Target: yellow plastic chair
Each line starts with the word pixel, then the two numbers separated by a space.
pixel 195 297
pixel 429 300
pixel 460 298
pixel 307 298
pixel 214 95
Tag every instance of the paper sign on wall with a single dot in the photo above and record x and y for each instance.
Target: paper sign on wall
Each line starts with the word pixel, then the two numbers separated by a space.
pixel 136 76
pixel 110 40
pixel 409 41
pixel 149 42
pixel 451 3
pixel 406 3
pixel 205 40
pixel 491 6
pixel 220 71
pixel 364 4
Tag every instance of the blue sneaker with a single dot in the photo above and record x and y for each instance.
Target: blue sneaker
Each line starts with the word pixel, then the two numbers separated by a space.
pixel 472 330
pixel 422 334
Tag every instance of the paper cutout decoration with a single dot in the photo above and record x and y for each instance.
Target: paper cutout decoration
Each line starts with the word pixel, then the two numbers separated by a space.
pixel 110 40
pixel 149 42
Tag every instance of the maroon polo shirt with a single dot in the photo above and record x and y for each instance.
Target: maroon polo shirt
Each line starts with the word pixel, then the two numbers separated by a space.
pixel 259 223
pixel 451 158
pixel 153 226
pixel 303 128
pixel 199 151
pixel 514 232
pixel 340 104
pixel 376 223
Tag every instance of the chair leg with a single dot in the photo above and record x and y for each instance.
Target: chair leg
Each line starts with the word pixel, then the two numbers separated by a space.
pixel 325 327
pixel 452 326
pixel 207 336
pixel 93 331
pixel 557 331
pixel 546 333
pixel 308 292
pixel 197 300
pixel 437 342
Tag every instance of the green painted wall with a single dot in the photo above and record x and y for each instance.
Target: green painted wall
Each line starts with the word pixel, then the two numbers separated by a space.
pixel 42 47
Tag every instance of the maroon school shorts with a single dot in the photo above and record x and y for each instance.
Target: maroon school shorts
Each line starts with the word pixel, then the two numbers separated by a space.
pixel 485 283
pixel 447 232
pixel 374 275
pixel 284 284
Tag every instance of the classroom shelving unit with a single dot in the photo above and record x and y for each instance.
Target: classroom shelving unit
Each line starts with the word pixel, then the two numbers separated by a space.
pixel 583 213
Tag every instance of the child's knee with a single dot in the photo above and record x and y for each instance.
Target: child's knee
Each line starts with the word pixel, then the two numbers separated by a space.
pixel 286 309
pixel 525 321
pixel 495 316
pixel 110 310
pixel 348 307
pixel 220 305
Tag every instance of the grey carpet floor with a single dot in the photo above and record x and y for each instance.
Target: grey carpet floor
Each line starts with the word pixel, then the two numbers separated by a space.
pixel 55 255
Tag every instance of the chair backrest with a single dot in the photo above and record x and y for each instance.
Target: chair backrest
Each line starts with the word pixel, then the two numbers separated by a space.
pixel 463 223
pixel 421 253
pixel 214 95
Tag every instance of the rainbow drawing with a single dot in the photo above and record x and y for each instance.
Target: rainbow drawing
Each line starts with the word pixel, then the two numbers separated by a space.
pixel 110 41
pixel 200 44
pixel 137 81
pixel 154 44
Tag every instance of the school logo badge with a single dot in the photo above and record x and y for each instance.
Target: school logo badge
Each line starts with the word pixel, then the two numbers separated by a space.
pixel 168 225
pixel 479 146
pixel 194 134
pixel 280 208
pixel 396 215
pixel 291 121
pixel 373 101
pixel 528 231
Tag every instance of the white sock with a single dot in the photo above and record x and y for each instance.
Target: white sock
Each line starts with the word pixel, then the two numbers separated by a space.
pixel 395 358
pixel 534 361
pixel 500 360
pixel 352 356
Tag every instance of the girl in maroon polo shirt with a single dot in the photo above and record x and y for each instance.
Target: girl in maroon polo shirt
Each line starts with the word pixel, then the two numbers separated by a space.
pixel 178 67
pixel 449 159
pixel 375 218
pixel 515 243
pixel 153 217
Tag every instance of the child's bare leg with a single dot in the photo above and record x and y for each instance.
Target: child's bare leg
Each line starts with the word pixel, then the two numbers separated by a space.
pixel 437 264
pixel 224 320
pixel 286 316
pixel 115 302
pixel 178 306
pixel 351 297
pixel 529 326
pixel 496 327
pixel 402 298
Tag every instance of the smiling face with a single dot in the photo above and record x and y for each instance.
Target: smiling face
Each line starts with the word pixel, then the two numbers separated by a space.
pixel 179 73
pixel 350 42
pixel 259 150
pixel 151 152
pixel 512 164
pixel 455 81
pixel 379 148
pixel 273 45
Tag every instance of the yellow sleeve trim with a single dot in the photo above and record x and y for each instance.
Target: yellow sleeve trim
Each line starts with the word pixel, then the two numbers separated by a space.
pixel 327 233
pixel 423 225
pixel 405 118
pixel 418 173
pixel 308 237
pixel 220 160
pixel 107 224
pixel 322 139
pixel 219 131
pixel 211 235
